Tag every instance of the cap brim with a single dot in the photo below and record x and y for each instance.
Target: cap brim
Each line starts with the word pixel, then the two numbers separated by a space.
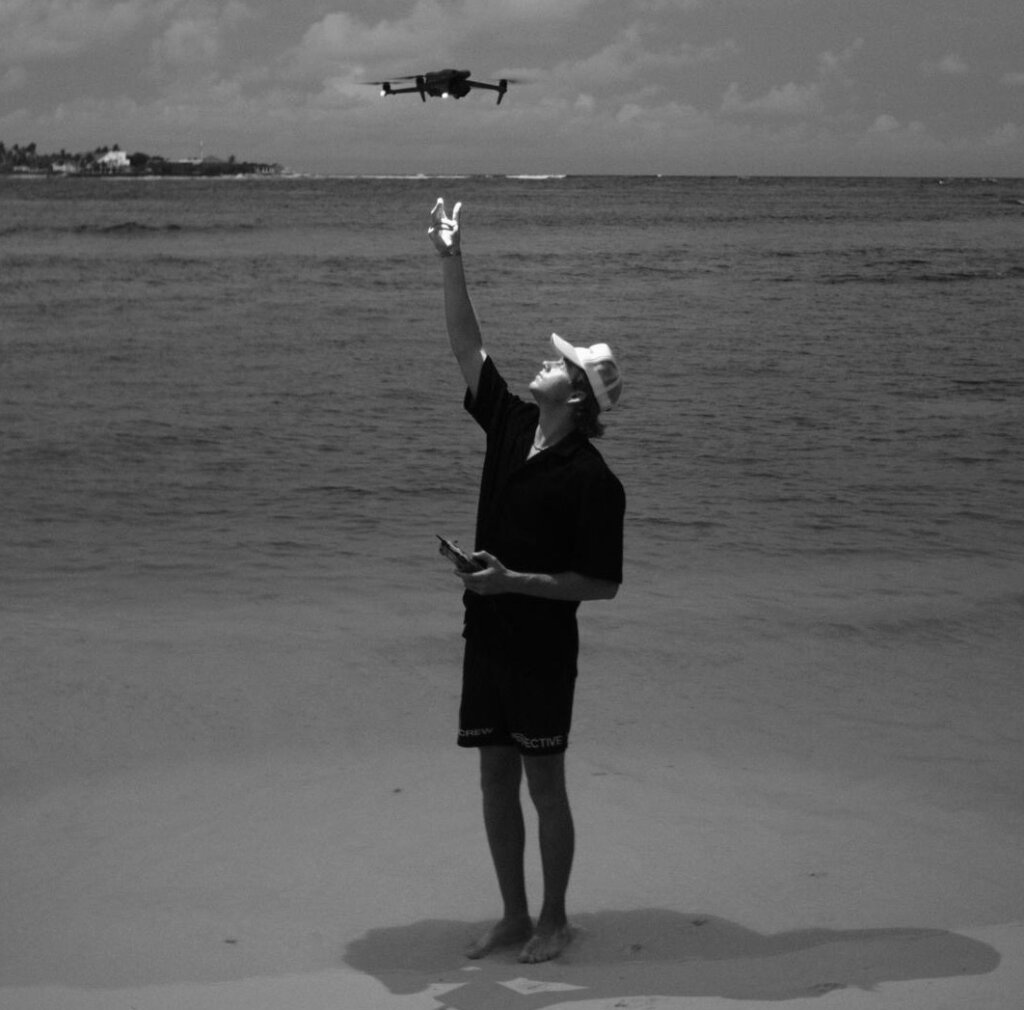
pixel 566 350
pixel 570 353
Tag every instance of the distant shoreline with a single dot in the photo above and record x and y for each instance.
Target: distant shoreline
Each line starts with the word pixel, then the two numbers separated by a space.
pixel 171 169
pixel 113 162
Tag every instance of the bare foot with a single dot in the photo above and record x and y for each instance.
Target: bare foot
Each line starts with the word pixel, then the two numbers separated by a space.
pixel 506 933
pixel 543 946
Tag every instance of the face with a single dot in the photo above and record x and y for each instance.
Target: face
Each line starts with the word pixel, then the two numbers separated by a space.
pixel 552 383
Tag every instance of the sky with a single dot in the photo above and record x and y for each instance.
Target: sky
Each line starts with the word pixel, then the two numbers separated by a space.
pixel 674 87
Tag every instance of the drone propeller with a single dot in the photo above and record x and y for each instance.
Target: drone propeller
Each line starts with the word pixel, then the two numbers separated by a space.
pixel 412 77
pixel 423 77
pixel 386 89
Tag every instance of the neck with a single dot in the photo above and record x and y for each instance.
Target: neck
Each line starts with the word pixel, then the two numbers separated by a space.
pixel 552 427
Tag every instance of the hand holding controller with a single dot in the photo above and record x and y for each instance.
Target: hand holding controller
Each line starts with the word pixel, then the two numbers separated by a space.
pixel 457 556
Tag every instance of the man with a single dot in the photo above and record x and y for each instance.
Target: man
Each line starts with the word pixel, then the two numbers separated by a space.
pixel 548 535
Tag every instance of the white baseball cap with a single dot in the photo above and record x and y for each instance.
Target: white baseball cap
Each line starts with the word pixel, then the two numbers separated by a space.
pixel 599 365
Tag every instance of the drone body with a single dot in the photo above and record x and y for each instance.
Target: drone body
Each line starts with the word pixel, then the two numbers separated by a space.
pixel 442 84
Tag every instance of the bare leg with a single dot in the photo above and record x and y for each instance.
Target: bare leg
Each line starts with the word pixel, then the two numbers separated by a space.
pixel 546 779
pixel 501 772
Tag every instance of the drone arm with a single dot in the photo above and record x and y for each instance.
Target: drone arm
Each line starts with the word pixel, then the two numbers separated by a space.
pixel 501 87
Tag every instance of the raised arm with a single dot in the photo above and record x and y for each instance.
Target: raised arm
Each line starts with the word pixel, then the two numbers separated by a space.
pixel 460 317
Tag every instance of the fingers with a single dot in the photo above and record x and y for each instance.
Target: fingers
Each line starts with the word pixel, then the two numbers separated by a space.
pixel 444 230
pixel 470 582
pixel 437 214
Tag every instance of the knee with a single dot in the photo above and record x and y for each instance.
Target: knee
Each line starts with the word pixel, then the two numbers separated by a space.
pixel 500 775
pixel 548 797
pixel 547 792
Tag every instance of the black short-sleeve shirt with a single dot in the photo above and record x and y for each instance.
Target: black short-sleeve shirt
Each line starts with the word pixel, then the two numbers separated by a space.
pixel 560 511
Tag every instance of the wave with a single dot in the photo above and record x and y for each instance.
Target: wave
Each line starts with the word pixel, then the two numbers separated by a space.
pixel 125 229
pixel 383 176
pixel 923 276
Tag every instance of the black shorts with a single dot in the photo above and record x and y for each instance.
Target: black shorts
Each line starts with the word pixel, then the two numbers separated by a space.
pixel 525 704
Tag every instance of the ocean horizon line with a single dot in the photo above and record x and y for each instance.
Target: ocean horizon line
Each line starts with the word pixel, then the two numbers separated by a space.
pixel 291 174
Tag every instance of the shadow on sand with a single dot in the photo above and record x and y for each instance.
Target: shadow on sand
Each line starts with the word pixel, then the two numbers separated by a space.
pixel 657 952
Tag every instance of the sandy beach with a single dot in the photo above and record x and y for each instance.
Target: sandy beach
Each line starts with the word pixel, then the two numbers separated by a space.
pixel 787 784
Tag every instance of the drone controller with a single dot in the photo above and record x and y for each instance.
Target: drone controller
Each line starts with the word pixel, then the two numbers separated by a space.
pixel 458 557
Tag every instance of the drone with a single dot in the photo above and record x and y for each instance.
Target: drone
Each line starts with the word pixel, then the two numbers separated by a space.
pixel 442 84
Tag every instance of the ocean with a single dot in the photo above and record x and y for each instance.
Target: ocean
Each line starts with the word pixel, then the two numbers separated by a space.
pixel 245 385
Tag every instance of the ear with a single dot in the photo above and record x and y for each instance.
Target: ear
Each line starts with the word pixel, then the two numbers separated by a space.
pixel 576 397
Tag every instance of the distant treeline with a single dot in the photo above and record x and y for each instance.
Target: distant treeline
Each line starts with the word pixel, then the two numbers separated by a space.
pixel 114 161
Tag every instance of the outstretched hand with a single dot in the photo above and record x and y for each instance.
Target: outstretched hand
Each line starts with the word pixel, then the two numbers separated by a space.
pixel 444 230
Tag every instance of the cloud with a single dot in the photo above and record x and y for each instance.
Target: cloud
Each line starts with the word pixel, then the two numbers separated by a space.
pixel 197 37
pixel 430 26
pixel 342 40
pixel 188 41
pixel 884 124
pixel 342 36
pixel 950 66
pixel 1006 135
pixel 1013 80
pixel 13 80
pixel 798 100
pixel 834 65
pixel 176 122
pixel 659 6
pixel 43 29
pixel 890 145
pixel 887 124
pixel 631 56
pixel 787 100
pixel 532 11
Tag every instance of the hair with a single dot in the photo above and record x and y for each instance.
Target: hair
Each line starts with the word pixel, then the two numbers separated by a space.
pixel 586 413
